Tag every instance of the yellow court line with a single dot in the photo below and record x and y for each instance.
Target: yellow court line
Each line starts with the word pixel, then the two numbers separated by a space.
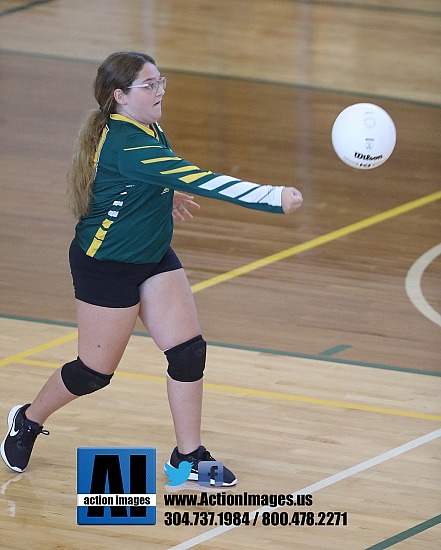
pixel 42 347
pixel 265 261
pixel 325 402
pixel 267 394
pixel 407 207
pixel 334 235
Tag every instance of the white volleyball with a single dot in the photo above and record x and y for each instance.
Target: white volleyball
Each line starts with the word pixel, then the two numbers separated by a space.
pixel 364 136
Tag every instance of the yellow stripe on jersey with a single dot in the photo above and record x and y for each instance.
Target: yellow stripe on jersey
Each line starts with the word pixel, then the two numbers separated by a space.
pixel 143 127
pixel 91 251
pixel 107 223
pixel 160 159
pixel 193 177
pixel 143 147
pixel 181 169
pixel 99 237
pixel 100 234
pixel 100 145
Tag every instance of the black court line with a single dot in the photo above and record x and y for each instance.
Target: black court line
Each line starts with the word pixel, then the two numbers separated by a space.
pixel 24 7
pixel 296 85
pixel 370 7
pixel 320 357
pixel 312 3
pixel 407 534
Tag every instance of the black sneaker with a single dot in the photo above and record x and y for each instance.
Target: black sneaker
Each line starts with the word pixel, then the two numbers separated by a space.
pixel 16 447
pixel 195 457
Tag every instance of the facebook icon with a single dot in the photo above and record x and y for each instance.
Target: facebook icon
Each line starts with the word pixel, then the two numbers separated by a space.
pixel 210 473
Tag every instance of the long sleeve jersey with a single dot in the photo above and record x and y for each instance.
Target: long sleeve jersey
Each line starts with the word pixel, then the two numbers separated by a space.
pixel 130 218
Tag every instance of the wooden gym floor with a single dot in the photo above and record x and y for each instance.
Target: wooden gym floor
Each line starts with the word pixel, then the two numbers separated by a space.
pixel 324 366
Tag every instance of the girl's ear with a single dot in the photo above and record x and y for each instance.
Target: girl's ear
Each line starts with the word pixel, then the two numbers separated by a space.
pixel 120 96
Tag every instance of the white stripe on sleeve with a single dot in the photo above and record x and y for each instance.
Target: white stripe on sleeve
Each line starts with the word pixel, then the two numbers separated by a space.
pixel 266 194
pixel 217 182
pixel 238 189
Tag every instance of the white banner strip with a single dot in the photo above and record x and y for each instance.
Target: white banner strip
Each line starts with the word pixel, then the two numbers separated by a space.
pixel 107 499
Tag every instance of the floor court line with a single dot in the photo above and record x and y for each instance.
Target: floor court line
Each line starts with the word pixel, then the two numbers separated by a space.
pixel 223 277
pixel 413 284
pixel 322 484
pixel 283 353
pixel 407 534
pixel 267 394
pixel 25 7
pixel 235 77
pixel 37 349
pixel 313 243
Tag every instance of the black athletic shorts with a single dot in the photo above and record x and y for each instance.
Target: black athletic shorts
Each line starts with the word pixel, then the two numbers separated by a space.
pixel 113 284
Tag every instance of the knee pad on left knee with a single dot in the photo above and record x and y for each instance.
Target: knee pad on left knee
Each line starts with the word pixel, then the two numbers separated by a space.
pixel 186 362
pixel 81 380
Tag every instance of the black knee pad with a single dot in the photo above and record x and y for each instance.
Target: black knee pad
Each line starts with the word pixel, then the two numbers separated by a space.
pixel 186 362
pixel 80 380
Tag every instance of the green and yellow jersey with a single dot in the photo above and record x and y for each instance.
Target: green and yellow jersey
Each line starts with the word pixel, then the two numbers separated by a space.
pixel 130 219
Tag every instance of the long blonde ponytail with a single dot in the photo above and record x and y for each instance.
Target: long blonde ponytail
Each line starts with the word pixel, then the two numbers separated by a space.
pixel 81 173
pixel 118 71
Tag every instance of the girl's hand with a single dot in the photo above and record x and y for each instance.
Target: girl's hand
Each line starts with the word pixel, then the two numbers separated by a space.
pixel 181 203
pixel 292 199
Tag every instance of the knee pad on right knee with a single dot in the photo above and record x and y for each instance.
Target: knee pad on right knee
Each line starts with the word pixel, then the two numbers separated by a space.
pixel 186 362
pixel 81 380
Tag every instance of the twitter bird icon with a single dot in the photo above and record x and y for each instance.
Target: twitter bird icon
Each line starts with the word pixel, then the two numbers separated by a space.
pixel 178 475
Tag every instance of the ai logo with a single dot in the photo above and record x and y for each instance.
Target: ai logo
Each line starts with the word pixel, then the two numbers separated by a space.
pixel 116 486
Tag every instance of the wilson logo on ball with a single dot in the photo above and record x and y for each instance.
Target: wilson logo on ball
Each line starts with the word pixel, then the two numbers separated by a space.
pixel 367 157
pixel 362 127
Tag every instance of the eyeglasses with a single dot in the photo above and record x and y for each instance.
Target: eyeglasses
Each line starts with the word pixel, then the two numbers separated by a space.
pixel 153 86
